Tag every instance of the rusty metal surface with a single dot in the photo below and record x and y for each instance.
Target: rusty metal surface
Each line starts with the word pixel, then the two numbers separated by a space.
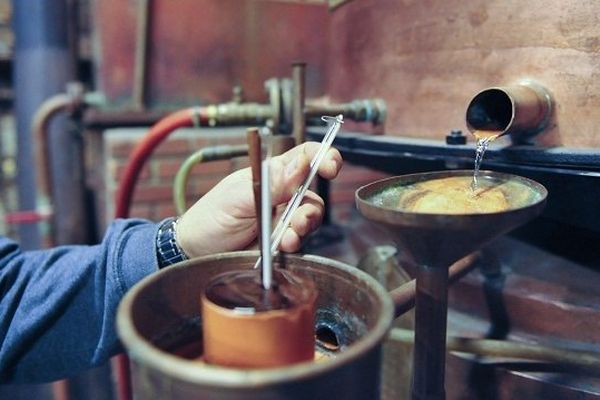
pixel 198 49
pixel 427 59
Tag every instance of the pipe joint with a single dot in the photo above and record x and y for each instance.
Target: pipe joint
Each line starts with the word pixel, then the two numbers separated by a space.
pixel 359 110
pixel 239 114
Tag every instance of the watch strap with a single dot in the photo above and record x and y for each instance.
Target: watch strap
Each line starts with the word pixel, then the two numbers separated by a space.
pixel 167 250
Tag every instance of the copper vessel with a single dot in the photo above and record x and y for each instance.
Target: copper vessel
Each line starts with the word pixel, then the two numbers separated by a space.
pixel 257 335
pixel 159 324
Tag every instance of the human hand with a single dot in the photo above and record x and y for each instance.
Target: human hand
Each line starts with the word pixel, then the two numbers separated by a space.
pixel 224 219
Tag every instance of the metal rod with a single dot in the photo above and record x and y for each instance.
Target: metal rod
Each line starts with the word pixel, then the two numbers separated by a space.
pixel 571 358
pixel 266 209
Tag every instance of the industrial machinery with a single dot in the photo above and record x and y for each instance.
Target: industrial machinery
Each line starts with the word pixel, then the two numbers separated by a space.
pixel 412 80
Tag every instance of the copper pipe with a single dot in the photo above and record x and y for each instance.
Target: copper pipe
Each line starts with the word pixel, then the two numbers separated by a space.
pixel 61 102
pixel 213 153
pixel 255 156
pixel 41 119
pixel 141 55
pixel 299 78
pixel 280 144
pixel 571 358
pixel 60 390
pixel 522 109
pixel 404 296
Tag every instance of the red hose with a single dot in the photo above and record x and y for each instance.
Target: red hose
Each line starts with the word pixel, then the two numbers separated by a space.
pixel 26 216
pixel 140 154
pixel 144 149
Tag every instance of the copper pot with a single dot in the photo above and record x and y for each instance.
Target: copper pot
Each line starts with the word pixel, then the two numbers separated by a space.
pixel 159 324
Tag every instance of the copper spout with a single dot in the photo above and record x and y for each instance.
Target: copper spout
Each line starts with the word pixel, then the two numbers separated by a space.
pixel 522 110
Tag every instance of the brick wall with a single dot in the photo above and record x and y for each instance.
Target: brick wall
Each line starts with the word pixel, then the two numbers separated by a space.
pixel 153 198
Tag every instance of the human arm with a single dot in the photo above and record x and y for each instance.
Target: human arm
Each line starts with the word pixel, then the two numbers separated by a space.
pixel 57 306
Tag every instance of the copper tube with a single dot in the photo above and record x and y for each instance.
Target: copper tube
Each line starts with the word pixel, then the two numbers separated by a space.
pixel 522 109
pixel 255 156
pixel 404 296
pixel 141 55
pixel 299 78
pixel 61 102
pixel 207 154
pixel 280 143
pixel 570 358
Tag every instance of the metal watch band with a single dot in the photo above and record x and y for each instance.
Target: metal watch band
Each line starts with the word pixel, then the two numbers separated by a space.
pixel 167 249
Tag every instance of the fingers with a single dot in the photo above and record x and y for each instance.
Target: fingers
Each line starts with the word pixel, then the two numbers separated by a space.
pixel 305 220
pixel 290 169
pixel 329 167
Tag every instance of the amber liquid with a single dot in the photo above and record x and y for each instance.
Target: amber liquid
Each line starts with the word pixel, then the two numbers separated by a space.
pixel 243 291
pixel 451 195
pixel 484 138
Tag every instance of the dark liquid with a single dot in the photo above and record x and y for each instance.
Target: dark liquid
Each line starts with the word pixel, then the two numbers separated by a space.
pixel 243 291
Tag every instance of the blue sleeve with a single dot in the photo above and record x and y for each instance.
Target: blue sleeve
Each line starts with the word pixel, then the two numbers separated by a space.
pixel 58 306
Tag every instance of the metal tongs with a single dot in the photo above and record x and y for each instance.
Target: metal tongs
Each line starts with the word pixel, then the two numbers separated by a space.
pixel 334 126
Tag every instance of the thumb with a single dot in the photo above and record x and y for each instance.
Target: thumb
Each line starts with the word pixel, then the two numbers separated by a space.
pixel 286 178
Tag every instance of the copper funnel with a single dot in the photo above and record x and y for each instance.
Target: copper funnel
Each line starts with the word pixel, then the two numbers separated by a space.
pixel 438 240
pixel 432 242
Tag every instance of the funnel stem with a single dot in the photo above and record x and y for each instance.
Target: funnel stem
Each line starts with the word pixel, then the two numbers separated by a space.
pixel 431 309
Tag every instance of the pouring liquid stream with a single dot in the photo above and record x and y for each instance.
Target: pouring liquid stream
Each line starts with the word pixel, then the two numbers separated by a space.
pixel 484 138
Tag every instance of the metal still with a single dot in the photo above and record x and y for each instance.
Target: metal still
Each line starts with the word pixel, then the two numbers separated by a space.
pixel 159 323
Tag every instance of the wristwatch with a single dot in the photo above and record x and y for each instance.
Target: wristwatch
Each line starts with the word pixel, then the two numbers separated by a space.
pixel 167 250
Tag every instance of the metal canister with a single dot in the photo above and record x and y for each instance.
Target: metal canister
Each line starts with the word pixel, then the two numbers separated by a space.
pixel 159 323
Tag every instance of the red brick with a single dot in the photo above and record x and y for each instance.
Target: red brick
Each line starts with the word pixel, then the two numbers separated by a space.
pixel 143 176
pixel 169 168
pixel 165 210
pixel 199 142
pixel 173 147
pixel 153 193
pixel 121 149
pixel 231 140
pixel 142 210
pixel 200 187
